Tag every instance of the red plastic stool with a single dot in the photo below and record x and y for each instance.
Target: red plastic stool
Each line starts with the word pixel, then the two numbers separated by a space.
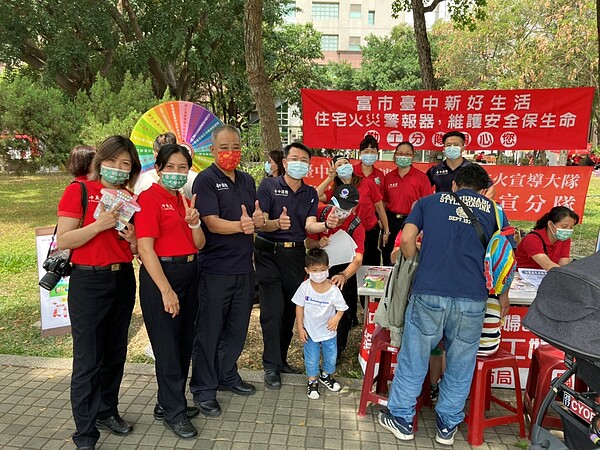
pixel 545 362
pixel 481 397
pixel 382 349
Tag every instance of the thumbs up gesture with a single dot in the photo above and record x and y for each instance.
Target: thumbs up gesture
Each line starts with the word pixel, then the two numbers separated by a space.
pixel 246 222
pixel 284 220
pixel 258 217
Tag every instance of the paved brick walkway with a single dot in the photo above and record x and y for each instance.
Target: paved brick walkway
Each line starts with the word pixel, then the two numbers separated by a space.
pixel 35 414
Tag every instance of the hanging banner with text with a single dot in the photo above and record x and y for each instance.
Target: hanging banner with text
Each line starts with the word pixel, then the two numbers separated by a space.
pixel 535 119
pixel 525 192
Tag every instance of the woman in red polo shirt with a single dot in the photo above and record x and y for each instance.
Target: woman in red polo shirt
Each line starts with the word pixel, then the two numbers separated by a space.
pixel 101 290
pixel 549 244
pixel 169 236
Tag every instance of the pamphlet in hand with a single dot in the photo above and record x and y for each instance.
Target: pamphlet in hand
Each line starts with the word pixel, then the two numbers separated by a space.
pixel 340 249
pixel 532 276
pixel 112 197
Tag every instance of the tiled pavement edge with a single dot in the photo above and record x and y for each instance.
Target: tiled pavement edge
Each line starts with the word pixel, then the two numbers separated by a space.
pixel 35 414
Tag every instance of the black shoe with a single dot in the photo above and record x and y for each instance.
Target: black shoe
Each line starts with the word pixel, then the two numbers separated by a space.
pixel 290 369
pixel 87 447
pixel 115 424
pixel 210 408
pixel 244 388
pixel 159 412
pixel 272 379
pixel 183 429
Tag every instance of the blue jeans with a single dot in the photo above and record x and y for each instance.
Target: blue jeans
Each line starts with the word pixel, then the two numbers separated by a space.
pixel 312 354
pixel 428 319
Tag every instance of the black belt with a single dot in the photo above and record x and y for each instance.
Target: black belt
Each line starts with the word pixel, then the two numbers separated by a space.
pixel 393 215
pixel 272 246
pixel 178 259
pixel 111 267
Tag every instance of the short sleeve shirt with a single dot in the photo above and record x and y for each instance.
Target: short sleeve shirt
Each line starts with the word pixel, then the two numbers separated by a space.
pixel 274 194
pixel 532 245
pixel 400 193
pixel 368 195
pixel 319 307
pixel 218 195
pixel 358 234
pixel 106 247
pixel 163 218
pixel 451 258
pixel 376 175
pixel 441 175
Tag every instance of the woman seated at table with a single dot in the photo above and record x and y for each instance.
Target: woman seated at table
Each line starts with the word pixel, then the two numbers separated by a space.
pixel 549 244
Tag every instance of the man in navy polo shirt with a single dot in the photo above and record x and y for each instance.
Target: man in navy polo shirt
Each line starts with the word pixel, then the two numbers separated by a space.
pixel 290 208
pixel 448 300
pixel 226 200
pixel 443 174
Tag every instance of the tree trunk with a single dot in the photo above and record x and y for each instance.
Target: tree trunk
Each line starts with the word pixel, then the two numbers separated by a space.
pixel 257 76
pixel 423 47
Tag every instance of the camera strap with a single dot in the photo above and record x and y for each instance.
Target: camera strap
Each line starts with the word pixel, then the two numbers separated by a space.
pixel 84 204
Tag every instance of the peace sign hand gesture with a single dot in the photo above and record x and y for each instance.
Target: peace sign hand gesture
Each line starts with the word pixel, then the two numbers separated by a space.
pixel 192 216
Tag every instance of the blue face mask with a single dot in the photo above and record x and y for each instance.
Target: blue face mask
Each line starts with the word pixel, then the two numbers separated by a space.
pixel 297 169
pixel 268 169
pixel 452 152
pixel 368 159
pixel 345 171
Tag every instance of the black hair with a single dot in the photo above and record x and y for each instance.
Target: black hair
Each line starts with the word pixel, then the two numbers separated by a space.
pixel 164 139
pixel 337 181
pixel 277 156
pixel 412 147
pixel 368 141
pixel 454 133
pixel 80 160
pixel 111 147
pixel 556 214
pixel 298 145
pixel 316 256
pixel 472 176
pixel 166 151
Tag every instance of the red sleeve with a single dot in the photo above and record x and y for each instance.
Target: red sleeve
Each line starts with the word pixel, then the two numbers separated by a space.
pixel 146 223
pixel 376 194
pixel 398 240
pixel 328 194
pixel 426 187
pixel 70 203
pixel 532 245
pixel 565 250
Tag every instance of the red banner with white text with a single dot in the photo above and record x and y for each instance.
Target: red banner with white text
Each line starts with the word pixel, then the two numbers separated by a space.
pixel 525 192
pixel 534 119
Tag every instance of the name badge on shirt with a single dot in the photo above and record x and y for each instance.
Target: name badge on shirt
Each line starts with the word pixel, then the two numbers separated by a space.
pixel 281 192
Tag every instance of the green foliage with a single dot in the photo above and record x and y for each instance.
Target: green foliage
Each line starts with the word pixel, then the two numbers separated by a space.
pixel 340 76
pixel 464 13
pixel 42 112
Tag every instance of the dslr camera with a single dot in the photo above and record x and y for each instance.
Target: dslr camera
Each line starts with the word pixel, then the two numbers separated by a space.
pixel 56 267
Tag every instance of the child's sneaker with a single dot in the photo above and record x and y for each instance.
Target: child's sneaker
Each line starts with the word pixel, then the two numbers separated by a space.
pixel 434 393
pixel 312 390
pixel 329 382
pixel 444 434
pixel 398 426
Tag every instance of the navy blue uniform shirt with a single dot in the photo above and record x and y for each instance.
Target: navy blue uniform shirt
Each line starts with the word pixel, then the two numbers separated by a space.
pixel 217 195
pixel 274 194
pixel 451 258
pixel 441 176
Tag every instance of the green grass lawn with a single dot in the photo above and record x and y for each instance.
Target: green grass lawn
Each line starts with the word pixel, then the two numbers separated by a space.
pixel 29 202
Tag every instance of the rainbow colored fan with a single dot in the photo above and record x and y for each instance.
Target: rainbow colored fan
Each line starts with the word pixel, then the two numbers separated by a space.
pixel 190 122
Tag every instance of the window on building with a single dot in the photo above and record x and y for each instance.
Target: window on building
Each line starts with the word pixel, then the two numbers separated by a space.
pixel 371 17
pixel 355 11
pixel 325 10
pixel 329 42
pixel 354 43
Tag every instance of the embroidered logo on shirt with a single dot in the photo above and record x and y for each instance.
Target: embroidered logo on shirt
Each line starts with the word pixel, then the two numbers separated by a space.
pixel 377 180
pixel 392 185
pixel 281 192
pixel 167 207
pixel 221 186
pixel 94 198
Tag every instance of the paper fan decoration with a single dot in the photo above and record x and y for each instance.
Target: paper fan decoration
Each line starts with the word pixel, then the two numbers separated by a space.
pixel 190 122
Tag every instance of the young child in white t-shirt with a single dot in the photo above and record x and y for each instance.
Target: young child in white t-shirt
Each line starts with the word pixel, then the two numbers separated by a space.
pixel 319 308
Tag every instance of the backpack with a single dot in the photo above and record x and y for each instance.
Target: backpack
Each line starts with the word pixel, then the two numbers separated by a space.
pixel 355 222
pixel 499 264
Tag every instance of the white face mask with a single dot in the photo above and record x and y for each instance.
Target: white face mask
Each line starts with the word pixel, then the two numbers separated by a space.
pixel 319 277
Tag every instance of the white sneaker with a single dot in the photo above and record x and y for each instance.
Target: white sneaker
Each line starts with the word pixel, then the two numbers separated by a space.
pixel 149 352
pixel 329 382
pixel 312 390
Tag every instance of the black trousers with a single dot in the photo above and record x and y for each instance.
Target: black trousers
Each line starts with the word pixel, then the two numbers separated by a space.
pixel 220 333
pixel 350 293
pixel 279 275
pixel 372 254
pixel 171 337
pixel 395 226
pixel 100 307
